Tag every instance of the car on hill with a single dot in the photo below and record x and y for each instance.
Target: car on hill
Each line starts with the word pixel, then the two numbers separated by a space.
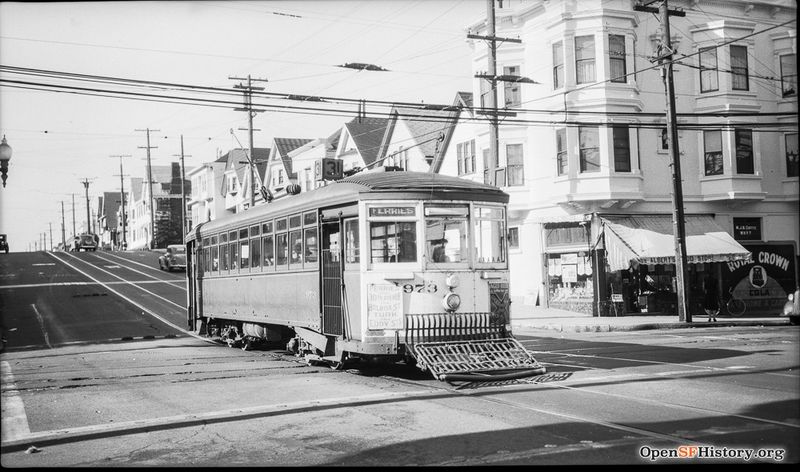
pixel 4 243
pixel 173 258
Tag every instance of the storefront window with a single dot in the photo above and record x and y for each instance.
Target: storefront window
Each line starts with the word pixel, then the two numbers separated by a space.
pixel 569 278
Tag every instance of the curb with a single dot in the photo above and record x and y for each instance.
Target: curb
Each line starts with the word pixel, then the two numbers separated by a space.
pixel 603 328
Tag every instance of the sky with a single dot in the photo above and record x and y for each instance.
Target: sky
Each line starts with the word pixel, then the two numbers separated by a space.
pixel 61 139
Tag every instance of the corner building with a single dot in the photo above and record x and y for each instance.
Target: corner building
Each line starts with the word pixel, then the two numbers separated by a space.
pixel 585 159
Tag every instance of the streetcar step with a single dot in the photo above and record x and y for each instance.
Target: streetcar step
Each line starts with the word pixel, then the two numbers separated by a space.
pixel 476 360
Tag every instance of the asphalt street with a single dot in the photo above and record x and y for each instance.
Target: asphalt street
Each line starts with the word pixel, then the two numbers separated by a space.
pixel 114 380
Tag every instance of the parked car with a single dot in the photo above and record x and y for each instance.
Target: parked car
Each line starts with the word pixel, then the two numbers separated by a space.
pixel 174 258
pixel 792 307
pixel 4 243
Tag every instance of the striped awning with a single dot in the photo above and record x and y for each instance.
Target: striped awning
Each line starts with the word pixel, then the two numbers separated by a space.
pixel 649 240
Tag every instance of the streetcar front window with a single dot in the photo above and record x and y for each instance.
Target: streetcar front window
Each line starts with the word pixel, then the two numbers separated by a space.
pixel 392 241
pixel 446 234
pixel 490 243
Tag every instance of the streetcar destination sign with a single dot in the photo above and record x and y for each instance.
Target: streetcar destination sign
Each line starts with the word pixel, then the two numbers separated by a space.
pixel 392 211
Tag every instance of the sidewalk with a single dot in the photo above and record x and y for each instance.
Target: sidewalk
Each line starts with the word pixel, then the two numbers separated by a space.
pixel 561 320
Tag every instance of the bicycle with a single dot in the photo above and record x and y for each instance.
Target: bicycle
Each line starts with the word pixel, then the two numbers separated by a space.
pixel 735 306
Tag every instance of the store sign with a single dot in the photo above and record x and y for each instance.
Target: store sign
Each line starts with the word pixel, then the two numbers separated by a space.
pixel 747 229
pixel 763 282
pixel 569 273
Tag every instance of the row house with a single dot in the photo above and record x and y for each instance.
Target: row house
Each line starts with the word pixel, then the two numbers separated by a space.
pixel 168 199
pixel 205 201
pixel 281 170
pixel 585 160
pixel 108 208
pixel 416 137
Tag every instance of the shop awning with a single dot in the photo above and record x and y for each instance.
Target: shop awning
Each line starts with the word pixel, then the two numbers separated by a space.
pixel 649 240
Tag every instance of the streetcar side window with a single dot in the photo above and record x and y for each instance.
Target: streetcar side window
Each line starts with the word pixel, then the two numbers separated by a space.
pixel 352 252
pixel 223 256
pixel 268 245
pixel 214 262
pixel 281 249
pixel 244 254
pixel 310 243
pixel 269 251
pixel 446 234
pixel 296 243
pixel 255 252
pixel 234 255
pixel 255 246
pixel 490 242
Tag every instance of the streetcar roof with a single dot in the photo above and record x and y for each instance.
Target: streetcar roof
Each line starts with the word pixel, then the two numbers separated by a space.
pixel 374 185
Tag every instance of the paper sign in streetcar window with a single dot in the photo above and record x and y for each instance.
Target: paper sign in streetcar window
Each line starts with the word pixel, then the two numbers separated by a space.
pixel 384 306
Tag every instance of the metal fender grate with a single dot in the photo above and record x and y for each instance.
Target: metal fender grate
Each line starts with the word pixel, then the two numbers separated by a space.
pixel 476 359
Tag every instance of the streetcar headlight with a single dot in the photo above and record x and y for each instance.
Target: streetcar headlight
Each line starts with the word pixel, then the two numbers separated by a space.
pixel 452 281
pixel 451 301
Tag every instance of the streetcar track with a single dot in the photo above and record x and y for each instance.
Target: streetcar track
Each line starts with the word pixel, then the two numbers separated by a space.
pixel 131 261
pixel 138 305
pixel 182 280
pixel 120 278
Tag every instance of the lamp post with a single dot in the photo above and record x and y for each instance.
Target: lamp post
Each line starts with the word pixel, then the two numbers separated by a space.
pixel 5 156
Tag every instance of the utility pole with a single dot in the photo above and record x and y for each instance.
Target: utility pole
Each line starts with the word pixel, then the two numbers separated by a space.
pixel 63 236
pixel 51 235
pixel 251 112
pixel 183 191
pixel 151 242
pixel 678 218
pixel 122 198
pixel 491 76
pixel 86 183
pixel 74 233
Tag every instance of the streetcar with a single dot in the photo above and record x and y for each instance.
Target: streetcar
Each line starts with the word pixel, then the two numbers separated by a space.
pixel 379 266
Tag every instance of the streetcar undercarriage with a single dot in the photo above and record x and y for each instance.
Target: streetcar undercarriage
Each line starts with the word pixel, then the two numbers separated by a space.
pixel 491 355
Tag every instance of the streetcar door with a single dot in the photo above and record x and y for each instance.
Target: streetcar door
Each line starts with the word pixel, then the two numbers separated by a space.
pixel 331 275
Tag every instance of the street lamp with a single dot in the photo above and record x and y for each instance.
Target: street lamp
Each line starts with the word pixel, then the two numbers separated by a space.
pixel 5 156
